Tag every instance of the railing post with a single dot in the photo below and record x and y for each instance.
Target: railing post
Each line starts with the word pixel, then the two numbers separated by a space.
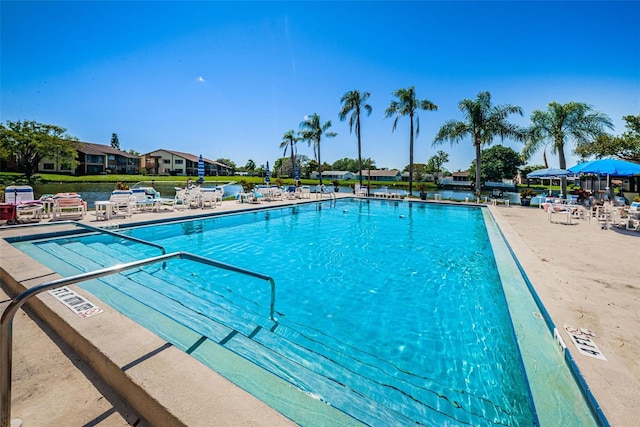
pixel 6 338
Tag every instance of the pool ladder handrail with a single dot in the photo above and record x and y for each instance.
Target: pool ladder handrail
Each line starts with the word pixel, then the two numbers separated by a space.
pixel 96 229
pixel 6 321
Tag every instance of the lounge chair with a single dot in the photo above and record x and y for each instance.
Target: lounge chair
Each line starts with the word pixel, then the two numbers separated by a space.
pixel 143 201
pixel 401 194
pixel 255 196
pixel 305 192
pixel 382 192
pixel 603 216
pixel 68 205
pixel 275 193
pixel 633 217
pixel 243 197
pixel 25 206
pixel 322 190
pixel 362 190
pixel 291 192
pixel 210 196
pixel 157 199
pixel 17 194
pixel 123 202
pixel 31 211
pixel 562 209
pixel 187 197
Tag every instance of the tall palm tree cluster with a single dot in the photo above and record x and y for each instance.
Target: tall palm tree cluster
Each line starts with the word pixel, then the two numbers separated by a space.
pixel 482 123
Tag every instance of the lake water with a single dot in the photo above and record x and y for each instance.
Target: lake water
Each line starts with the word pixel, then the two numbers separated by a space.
pixel 92 192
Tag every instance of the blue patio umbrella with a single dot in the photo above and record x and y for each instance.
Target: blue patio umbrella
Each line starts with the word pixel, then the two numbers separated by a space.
pixel 200 169
pixel 613 167
pixel 550 173
pixel 608 167
pixel 267 175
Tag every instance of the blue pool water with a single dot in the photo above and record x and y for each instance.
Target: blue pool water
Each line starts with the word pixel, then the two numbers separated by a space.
pixel 391 312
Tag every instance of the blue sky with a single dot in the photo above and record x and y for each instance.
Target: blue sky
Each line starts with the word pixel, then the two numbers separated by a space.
pixel 228 79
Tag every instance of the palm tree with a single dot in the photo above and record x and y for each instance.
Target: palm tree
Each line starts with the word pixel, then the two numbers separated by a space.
pixel 289 139
pixel 353 102
pixel 406 105
pixel 250 167
pixel 483 122
pixel 312 131
pixel 561 122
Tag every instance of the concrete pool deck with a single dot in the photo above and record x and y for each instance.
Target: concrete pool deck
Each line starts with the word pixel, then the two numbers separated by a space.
pixel 585 276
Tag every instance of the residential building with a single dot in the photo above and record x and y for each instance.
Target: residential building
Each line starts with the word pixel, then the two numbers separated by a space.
pixel 340 175
pixel 425 177
pixel 169 162
pixel 95 159
pixel 381 175
pixel 458 179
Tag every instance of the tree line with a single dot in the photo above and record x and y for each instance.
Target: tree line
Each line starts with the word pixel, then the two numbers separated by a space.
pixel 482 122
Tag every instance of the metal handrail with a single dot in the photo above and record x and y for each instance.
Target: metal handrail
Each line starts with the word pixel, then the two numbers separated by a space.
pixel 96 229
pixel 6 321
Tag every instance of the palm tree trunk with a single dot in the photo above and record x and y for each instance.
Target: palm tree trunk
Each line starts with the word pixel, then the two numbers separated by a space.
pixel 293 164
pixel 359 149
pixel 478 183
pixel 563 165
pixel 411 157
pixel 319 162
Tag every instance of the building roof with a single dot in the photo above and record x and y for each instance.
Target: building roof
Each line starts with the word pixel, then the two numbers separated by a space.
pixel 190 157
pixel 378 172
pixel 460 173
pixel 425 174
pixel 335 172
pixel 91 148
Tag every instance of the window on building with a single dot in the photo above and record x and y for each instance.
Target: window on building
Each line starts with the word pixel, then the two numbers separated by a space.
pixel 112 157
pixel 178 161
pixel 65 167
pixel 178 170
pixel 92 158
pixel 48 166
pixel 166 161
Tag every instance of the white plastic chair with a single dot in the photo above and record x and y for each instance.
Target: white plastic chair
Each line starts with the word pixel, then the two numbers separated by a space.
pixel 123 202
pixel 142 201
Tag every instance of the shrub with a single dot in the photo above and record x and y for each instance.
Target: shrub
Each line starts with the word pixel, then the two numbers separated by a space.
pixel 527 193
pixel 247 186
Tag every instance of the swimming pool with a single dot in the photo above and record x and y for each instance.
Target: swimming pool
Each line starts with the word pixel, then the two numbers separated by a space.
pixel 391 312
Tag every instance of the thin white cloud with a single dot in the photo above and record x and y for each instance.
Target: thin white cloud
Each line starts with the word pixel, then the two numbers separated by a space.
pixel 201 79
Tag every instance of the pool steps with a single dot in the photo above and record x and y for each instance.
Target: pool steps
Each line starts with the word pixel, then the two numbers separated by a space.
pixel 251 334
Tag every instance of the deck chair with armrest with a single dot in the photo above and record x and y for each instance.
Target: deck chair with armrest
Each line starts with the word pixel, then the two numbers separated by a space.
pixel 209 197
pixel 143 201
pixel 382 192
pixel 362 190
pixel 123 202
pixel 68 205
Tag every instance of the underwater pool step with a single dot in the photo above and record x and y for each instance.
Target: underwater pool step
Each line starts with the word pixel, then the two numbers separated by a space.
pixel 446 400
pixel 265 346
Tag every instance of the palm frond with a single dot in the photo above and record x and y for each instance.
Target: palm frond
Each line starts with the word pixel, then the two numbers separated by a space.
pixel 453 131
